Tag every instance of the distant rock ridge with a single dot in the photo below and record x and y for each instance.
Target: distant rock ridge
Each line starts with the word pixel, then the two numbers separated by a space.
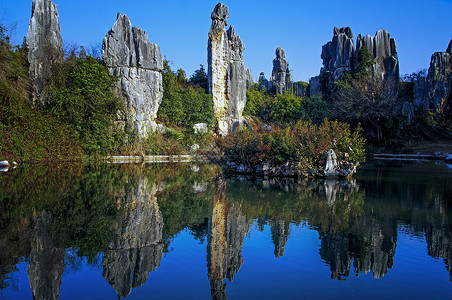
pixel 340 55
pixel 226 72
pixel 128 53
pixel 45 45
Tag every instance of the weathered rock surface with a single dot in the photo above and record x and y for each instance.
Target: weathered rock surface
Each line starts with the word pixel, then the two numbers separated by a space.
pixel 129 54
pixel 45 45
pixel 338 55
pixel 439 81
pixel 383 51
pixel 280 71
pixel 138 249
pixel 227 74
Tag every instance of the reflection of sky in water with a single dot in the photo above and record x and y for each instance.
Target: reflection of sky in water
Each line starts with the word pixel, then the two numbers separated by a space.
pixel 395 217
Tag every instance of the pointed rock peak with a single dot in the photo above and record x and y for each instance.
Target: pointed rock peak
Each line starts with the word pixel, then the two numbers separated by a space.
pixel 449 48
pixel 231 32
pixel 345 30
pixel 220 12
pixel 280 53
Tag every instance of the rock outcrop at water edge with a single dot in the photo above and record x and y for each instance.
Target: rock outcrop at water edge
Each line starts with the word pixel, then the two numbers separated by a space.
pixel 280 71
pixel 129 54
pixel 45 46
pixel 226 72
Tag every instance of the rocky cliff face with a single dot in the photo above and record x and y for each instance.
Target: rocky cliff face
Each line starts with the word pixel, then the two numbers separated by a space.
pixel 45 45
pixel 383 51
pixel 280 71
pixel 129 54
pixel 226 71
pixel 46 266
pixel 439 81
pixel 138 249
pixel 340 55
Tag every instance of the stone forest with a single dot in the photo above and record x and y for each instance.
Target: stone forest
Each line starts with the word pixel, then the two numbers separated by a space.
pixel 124 178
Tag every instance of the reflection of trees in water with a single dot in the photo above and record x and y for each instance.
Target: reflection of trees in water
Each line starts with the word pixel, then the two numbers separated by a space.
pixel 228 227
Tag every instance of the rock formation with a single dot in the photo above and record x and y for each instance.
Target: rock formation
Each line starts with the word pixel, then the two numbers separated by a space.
pixel 46 266
pixel 129 54
pixel 45 45
pixel 263 82
pixel 340 55
pixel 439 80
pixel 383 51
pixel 280 71
pixel 227 73
pixel 227 231
pixel 138 249
pixel 435 91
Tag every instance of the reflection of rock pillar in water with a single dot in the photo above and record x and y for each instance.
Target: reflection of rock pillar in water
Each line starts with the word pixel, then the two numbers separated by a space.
pixel 439 244
pixel 46 262
pixel 138 249
pixel 381 248
pixel 280 233
pixel 228 228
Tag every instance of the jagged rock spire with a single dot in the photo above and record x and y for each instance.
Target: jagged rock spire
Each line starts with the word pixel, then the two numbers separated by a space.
pixel 280 70
pixel 45 45
pixel 226 71
pixel 129 54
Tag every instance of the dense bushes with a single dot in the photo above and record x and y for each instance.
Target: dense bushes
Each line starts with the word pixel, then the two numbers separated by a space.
pixel 26 132
pixel 80 94
pixel 284 108
pixel 305 142
pixel 185 104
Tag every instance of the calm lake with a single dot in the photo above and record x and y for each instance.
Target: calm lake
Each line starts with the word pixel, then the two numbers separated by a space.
pixel 183 231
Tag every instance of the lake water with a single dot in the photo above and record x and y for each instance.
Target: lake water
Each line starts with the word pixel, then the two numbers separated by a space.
pixel 180 231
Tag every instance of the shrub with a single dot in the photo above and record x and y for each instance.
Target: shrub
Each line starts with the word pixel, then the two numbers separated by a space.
pixel 80 93
pixel 305 142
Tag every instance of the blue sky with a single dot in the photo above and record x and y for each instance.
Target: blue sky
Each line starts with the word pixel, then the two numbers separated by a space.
pixel 180 28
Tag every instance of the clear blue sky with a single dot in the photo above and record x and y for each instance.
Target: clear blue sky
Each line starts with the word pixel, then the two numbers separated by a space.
pixel 300 27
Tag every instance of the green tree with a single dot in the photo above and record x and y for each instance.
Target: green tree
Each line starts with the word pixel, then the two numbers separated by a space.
pixel 80 93
pixel 200 78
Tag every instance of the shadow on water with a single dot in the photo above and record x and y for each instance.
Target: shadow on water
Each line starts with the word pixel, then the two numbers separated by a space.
pixel 123 218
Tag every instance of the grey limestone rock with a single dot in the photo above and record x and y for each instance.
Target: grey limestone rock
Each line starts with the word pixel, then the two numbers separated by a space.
pixel 280 70
pixel 226 72
pixel 439 81
pixel 383 51
pixel 45 45
pixel 338 54
pixel 129 54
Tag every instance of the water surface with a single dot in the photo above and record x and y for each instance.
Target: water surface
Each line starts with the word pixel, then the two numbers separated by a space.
pixel 181 231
